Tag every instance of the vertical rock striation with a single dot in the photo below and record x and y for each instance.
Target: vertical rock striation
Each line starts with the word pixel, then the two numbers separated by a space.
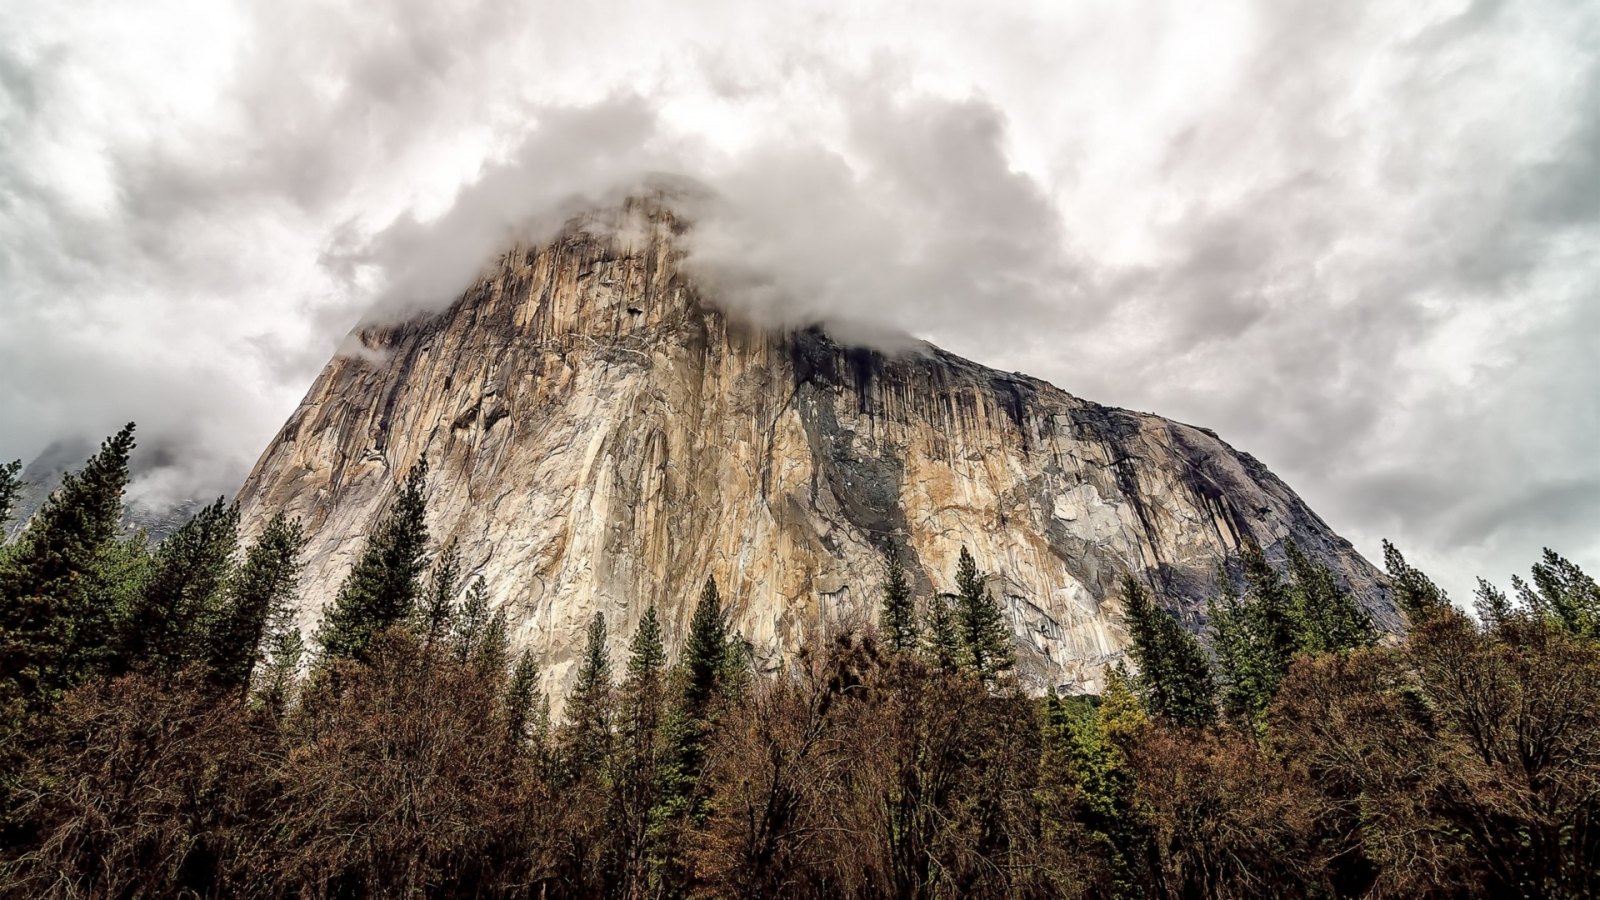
pixel 601 439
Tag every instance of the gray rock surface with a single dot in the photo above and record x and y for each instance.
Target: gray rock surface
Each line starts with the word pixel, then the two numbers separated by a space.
pixel 601 438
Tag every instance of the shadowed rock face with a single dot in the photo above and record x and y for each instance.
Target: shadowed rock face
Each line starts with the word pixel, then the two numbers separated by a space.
pixel 600 439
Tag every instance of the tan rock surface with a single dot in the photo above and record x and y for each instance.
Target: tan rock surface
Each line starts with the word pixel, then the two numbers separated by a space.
pixel 602 439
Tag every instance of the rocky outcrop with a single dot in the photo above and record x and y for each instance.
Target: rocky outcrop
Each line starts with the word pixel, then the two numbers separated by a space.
pixel 602 439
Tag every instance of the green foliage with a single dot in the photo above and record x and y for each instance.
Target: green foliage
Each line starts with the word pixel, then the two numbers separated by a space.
pixel 383 587
pixel 705 652
pixel 1174 678
pixel 1255 638
pixel 522 702
pixel 1080 752
pixel 898 619
pixel 171 624
pixel 1416 595
pixel 941 637
pixel 588 728
pixel 472 623
pixel 59 585
pixel 647 655
pixel 259 604
pixel 438 608
pixel 987 646
pixel 275 686
pixel 1563 595
pixel 10 486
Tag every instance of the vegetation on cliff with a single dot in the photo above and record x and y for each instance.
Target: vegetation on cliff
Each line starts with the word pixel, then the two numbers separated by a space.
pixel 167 733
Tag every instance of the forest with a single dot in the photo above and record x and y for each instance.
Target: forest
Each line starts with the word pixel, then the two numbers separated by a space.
pixel 167 730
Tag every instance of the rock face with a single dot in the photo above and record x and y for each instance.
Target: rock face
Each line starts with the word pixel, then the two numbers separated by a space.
pixel 601 439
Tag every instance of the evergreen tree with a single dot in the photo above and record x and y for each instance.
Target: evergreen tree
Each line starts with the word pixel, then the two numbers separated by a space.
pixel 647 655
pixel 1081 753
pixel 705 652
pixel 898 620
pixel 522 705
pixel 1493 607
pixel 275 684
pixel 589 705
pixel 259 601
pixel 1562 594
pixel 1416 595
pixel 383 587
pixel 986 641
pixel 1326 618
pixel 172 620
pixel 1174 678
pixel 493 649
pixel 941 638
pixel 439 607
pixel 639 764
pixel 10 487
pixel 56 591
pixel 469 626
pixel 1246 682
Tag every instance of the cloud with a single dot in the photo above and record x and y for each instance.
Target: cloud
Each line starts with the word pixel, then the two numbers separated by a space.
pixel 1352 238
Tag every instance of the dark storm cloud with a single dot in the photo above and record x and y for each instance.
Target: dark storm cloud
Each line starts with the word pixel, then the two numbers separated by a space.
pixel 1353 238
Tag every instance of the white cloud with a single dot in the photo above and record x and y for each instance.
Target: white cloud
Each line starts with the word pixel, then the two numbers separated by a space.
pixel 1353 238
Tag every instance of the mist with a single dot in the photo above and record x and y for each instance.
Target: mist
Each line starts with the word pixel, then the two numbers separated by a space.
pixel 1353 240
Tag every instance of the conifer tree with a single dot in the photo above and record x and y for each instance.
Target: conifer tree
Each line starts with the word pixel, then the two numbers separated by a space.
pixel 986 642
pixel 941 637
pixel 589 706
pixel 383 587
pixel 647 655
pixel 493 649
pixel 275 684
pixel 471 623
pixel 439 605
pixel 56 601
pixel 10 487
pixel 522 704
pixel 1327 618
pixel 1563 595
pixel 898 620
pixel 1174 678
pixel 259 600
pixel 1493 606
pixel 172 620
pixel 705 651
pixel 1416 595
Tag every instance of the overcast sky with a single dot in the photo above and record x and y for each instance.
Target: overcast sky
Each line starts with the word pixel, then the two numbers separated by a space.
pixel 1357 239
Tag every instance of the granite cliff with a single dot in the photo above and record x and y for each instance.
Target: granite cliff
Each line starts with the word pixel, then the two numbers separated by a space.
pixel 601 437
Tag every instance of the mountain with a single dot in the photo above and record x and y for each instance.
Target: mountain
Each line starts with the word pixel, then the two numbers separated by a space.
pixel 601 437
pixel 156 518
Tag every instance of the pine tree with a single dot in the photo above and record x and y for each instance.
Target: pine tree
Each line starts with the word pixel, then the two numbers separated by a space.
pixel 898 620
pixel 986 643
pixel 1325 617
pixel 469 626
pixel 1493 606
pixel 383 588
pixel 1174 678
pixel 259 600
pixel 1562 594
pixel 439 606
pixel 705 652
pixel 1416 595
pixel 183 601
pixel 10 487
pixel 57 595
pixel 275 685
pixel 941 637
pixel 493 649
pixel 522 706
pixel 647 655
pixel 589 705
